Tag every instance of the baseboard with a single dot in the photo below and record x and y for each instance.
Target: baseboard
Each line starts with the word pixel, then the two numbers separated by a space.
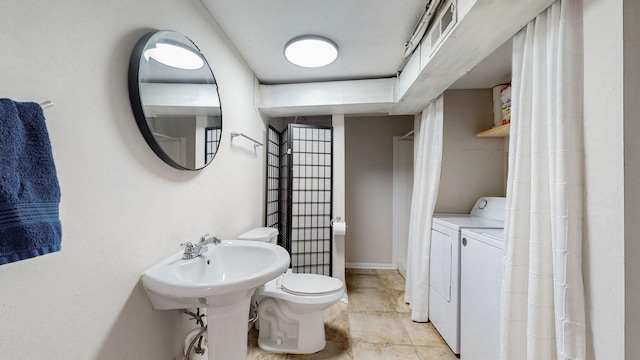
pixel 402 270
pixel 376 266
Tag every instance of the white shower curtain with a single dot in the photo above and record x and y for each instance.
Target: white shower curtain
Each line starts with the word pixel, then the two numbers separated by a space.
pixel 543 314
pixel 426 179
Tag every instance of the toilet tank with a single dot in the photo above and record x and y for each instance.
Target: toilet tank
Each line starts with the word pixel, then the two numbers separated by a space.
pixel 264 234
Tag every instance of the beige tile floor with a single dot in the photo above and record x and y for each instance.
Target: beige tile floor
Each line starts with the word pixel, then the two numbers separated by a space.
pixel 375 324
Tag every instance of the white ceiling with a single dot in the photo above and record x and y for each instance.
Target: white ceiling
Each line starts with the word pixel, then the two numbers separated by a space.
pixel 493 70
pixel 370 34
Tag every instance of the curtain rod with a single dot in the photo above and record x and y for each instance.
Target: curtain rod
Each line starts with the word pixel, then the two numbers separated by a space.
pixel 407 135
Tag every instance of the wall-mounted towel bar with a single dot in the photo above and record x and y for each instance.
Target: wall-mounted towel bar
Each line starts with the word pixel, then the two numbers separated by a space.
pixel 46 104
pixel 256 143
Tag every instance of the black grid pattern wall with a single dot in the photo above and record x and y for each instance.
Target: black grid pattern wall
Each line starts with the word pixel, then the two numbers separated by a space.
pixel 283 239
pixel 272 211
pixel 311 185
pixel 211 142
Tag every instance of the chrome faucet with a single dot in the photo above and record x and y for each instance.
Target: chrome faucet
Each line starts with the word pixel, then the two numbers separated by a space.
pixel 192 251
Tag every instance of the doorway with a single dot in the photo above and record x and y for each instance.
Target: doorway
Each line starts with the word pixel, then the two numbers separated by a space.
pixel 402 191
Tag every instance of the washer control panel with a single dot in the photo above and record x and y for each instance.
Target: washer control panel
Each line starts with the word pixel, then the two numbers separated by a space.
pixel 490 207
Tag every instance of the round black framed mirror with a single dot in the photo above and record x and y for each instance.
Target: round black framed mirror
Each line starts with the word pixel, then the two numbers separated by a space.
pixel 175 99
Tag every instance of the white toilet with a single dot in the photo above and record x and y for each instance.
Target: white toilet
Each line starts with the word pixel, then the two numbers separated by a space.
pixel 290 306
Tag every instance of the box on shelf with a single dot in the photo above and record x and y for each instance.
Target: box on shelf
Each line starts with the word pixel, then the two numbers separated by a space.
pixel 501 104
pixel 505 99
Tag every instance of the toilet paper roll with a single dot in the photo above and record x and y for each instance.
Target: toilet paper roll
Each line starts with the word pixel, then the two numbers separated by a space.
pixel 339 228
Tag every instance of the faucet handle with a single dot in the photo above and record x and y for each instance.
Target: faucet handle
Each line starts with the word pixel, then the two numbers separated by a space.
pixel 204 237
pixel 188 246
pixel 189 250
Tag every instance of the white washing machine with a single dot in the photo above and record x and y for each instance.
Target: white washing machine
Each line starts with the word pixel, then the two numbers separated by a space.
pixel 481 273
pixel 444 269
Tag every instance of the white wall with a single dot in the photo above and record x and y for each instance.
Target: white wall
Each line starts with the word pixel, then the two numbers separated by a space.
pixel 369 187
pixel 604 179
pixel 122 208
pixel 471 167
pixel 631 13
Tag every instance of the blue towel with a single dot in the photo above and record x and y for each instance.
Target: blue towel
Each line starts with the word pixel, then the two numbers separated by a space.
pixel 29 189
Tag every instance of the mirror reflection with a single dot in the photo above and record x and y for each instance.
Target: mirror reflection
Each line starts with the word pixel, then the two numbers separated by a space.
pixel 175 99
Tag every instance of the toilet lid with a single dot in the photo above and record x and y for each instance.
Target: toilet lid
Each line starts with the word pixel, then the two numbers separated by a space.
pixel 310 284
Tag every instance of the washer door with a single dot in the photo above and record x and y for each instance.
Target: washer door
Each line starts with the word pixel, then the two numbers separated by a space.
pixel 440 268
pixel 480 299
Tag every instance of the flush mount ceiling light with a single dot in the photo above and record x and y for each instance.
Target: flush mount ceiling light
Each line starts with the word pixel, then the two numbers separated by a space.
pixel 174 56
pixel 311 51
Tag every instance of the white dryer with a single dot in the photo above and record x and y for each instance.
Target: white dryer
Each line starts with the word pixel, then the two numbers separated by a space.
pixel 444 269
pixel 482 258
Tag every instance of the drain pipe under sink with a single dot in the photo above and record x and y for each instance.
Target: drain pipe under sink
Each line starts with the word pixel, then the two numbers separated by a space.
pixel 191 338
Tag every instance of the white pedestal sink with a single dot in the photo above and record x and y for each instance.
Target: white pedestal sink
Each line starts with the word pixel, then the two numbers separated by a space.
pixel 222 280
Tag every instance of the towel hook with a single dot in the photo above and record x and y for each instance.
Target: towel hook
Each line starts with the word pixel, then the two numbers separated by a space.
pixel 46 104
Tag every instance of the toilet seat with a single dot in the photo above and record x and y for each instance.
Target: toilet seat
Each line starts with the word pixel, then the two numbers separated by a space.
pixel 303 289
pixel 309 284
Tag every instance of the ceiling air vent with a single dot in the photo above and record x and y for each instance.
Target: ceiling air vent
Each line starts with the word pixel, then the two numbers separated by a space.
pixel 442 25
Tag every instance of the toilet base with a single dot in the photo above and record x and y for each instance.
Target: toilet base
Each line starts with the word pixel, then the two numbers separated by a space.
pixel 283 331
pixel 287 347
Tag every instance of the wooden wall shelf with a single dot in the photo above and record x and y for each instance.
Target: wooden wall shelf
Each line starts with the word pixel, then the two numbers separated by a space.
pixel 498 131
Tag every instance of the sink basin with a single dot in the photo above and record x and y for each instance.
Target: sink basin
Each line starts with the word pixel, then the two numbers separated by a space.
pixel 221 280
pixel 224 272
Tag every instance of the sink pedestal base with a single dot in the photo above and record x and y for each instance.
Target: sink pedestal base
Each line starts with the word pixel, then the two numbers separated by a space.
pixel 227 328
